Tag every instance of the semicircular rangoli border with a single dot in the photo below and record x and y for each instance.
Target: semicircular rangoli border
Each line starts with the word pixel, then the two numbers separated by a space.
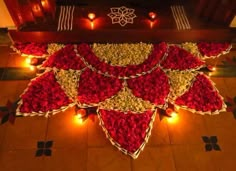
pixel 96 83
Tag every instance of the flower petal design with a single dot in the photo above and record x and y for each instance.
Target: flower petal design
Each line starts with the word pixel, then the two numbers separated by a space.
pixel 127 72
pixel 65 58
pixel 211 50
pixel 43 95
pixel 125 101
pixel 94 87
pixel 122 54
pixel 128 132
pixel 180 59
pixel 34 49
pixel 68 79
pixel 153 87
pixel 180 82
pixel 202 97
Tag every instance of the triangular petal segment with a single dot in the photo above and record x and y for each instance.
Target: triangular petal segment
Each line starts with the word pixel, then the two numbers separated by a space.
pixel 211 50
pixel 43 95
pixel 66 58
pixel 94 88
pixel 153 87
pixel 129 132
pixel 202 97
pixel 180 59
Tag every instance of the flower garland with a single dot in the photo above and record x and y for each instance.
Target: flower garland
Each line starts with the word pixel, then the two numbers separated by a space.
pixel 122 54
pixel 128 132
pixel 68 79
pixel 202 97
pixel 125 101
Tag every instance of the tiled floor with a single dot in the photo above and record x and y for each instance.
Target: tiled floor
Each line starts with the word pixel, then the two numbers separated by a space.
pixel 179 146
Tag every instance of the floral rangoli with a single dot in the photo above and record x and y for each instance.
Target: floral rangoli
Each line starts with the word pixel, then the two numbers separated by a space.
pixel 126 93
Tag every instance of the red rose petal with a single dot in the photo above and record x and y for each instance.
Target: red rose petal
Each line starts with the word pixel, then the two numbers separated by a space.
pixel 120 71
pixel 201 96
pixel 94 87
pixel 43 94
pixel 37 49
pixel 180 59
pixel 65 58
pixel 212 49
pixel 153 87
pixel 127 130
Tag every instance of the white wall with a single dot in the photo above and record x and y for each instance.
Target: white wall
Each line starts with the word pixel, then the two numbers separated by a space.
pixel 5 18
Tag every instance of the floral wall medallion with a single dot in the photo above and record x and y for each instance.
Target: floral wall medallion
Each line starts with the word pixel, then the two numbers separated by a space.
pixel 122 15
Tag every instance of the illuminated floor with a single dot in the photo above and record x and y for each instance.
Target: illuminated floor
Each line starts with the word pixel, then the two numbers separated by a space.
pixel 73 147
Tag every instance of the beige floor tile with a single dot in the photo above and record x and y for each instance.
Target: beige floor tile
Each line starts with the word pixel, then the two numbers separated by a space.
pixel 96 136
pixel 8 91
pixel 159 133
pixel 63 130
pixel 4 55
pixel 231 86
pixel 21 160
pixel 220 85
pixel 107 159
pixel 188 129
pixel 193 158
pixel 154 159
pixel 222 126
pixel 22 85
pixel 2 134
pixel 66 160
pixel 25 133
pixel 225 159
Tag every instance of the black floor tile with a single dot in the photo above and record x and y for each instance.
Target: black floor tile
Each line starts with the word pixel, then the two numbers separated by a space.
pixel 1 72
pixel 18 74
